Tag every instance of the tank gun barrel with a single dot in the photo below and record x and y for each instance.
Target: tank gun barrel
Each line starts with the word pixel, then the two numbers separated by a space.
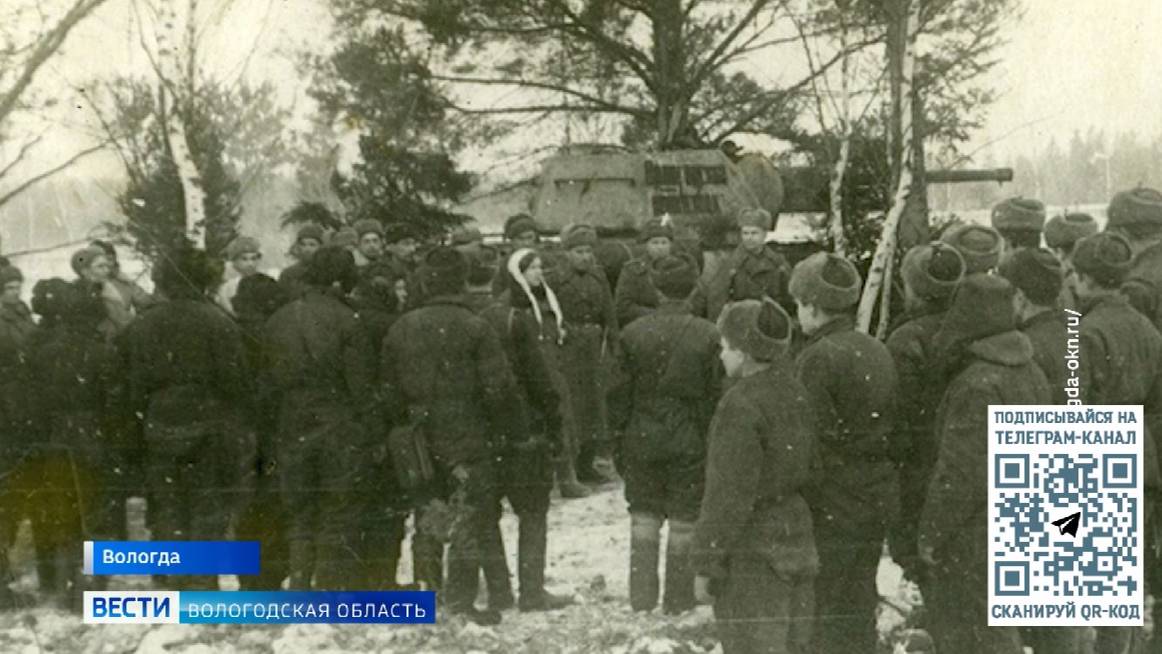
pixel 998 175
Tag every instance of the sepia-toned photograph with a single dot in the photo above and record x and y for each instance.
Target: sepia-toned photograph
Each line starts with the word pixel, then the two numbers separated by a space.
pixel 580 326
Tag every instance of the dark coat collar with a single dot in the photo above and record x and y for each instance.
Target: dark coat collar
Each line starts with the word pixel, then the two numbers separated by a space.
pixel 1011 348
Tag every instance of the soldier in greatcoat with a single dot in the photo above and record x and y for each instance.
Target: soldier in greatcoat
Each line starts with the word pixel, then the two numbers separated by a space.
pixel 323 372
pixel 188 379
pixel 636 295
pixel 444 371
pixel 16 423
pixel 854 497
pixel 990 362
pixel 591 330
pixel 931 273
pixel 1137 215
pixel 754 550
pixel 751 271
pixel 661 409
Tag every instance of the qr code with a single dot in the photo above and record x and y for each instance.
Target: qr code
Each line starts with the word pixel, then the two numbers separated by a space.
pixel 1037 497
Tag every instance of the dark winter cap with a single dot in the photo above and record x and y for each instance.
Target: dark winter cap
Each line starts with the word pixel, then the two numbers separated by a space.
pixel 310 231
pixel 933 270
pixel 396 232
pixel 760 328
pixel 753 217
pixel 1035 272
pixel 367 226
pixel 1106 257
pixel 519 224
pixel 577 235
pixel 346 237
pixel 674 276
pixel 49 297
pixel 1064 231
pixel 260 295
pixel 242 245
pixel 185 272
pixel 10 274
pixel 982 307
pixel 1019 214
pixel 81 306
pixel 980 246
pixel 84 257
pixel 482 266
pixel 1140 207
pixel 444 271
pixel 827 281
pixel 332 264
pixel 655 228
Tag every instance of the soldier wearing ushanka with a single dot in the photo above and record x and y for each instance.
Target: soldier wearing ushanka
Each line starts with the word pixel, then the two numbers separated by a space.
pixel 1019 221
pixel 980 245
pixel 752 272
pixel 851 380
pixel 636 295
pixel 1137 215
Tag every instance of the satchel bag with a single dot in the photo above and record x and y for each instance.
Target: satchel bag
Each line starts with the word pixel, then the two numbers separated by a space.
pixel 410 455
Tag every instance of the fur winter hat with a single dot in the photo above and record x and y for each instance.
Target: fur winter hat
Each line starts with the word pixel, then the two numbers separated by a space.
pixel 1064 231
pixel 1019 214
pixel 827 281
pixel 9 274
pixel 982 307
pixel 259 295
pixel 396 232
pixel 49 297
pixel 368 226
pixel 444 271
pixel 1105 256
pixel 346 237
pixel 980 246
pixel 655 228
pixel 933 270
pixel 519 224
pixel 242 245
pixel 577 235
pixel 310 231
pixel 518 262
pixel 674 276
pixel 753 217
pixel 84 258
pixel 1137 208
pixel 760 328
pixel 1035 272
pixel 332 264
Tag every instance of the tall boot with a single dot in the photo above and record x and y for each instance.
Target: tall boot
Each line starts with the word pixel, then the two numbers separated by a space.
pixel 428 561
pixel 533 543
pixel 679 593
pixel 587 472
pixel 494 563
pixel 643 561
pixel 567 479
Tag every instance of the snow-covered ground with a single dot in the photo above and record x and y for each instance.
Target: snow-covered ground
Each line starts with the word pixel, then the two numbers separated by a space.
pixel 589 555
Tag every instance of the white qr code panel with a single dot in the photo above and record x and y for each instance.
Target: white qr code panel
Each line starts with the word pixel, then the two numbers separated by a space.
pixel 1065 515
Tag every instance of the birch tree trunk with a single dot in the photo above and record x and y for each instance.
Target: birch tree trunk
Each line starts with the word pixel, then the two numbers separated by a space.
pixel 885 249
pixel 173 78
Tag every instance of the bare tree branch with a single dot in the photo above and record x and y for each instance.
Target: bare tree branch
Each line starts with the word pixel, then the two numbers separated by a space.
pixel 46 46
pixel 712 62
pixel 20 155
pixel 40 177
pixel 581 95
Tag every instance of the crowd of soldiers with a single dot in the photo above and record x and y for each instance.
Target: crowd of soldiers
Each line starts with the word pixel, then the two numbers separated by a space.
pixel 381 377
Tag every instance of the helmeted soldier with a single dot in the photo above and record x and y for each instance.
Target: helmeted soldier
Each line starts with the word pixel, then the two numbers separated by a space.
pixel 445 372
pixel 661 409
pixel 851 379
pixel 188 379
pixel 322 369
pixel 636 295
pixel 524 467
pixel 980 246
pixel 591 330
pixel 754 550
pixel 752 271
pixel 931 273
pixel 990 363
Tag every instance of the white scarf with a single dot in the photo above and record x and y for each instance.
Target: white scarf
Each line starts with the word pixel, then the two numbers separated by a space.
pixel 517 274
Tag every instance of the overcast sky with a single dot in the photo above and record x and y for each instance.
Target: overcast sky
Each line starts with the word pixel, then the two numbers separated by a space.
pixel 1070 65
